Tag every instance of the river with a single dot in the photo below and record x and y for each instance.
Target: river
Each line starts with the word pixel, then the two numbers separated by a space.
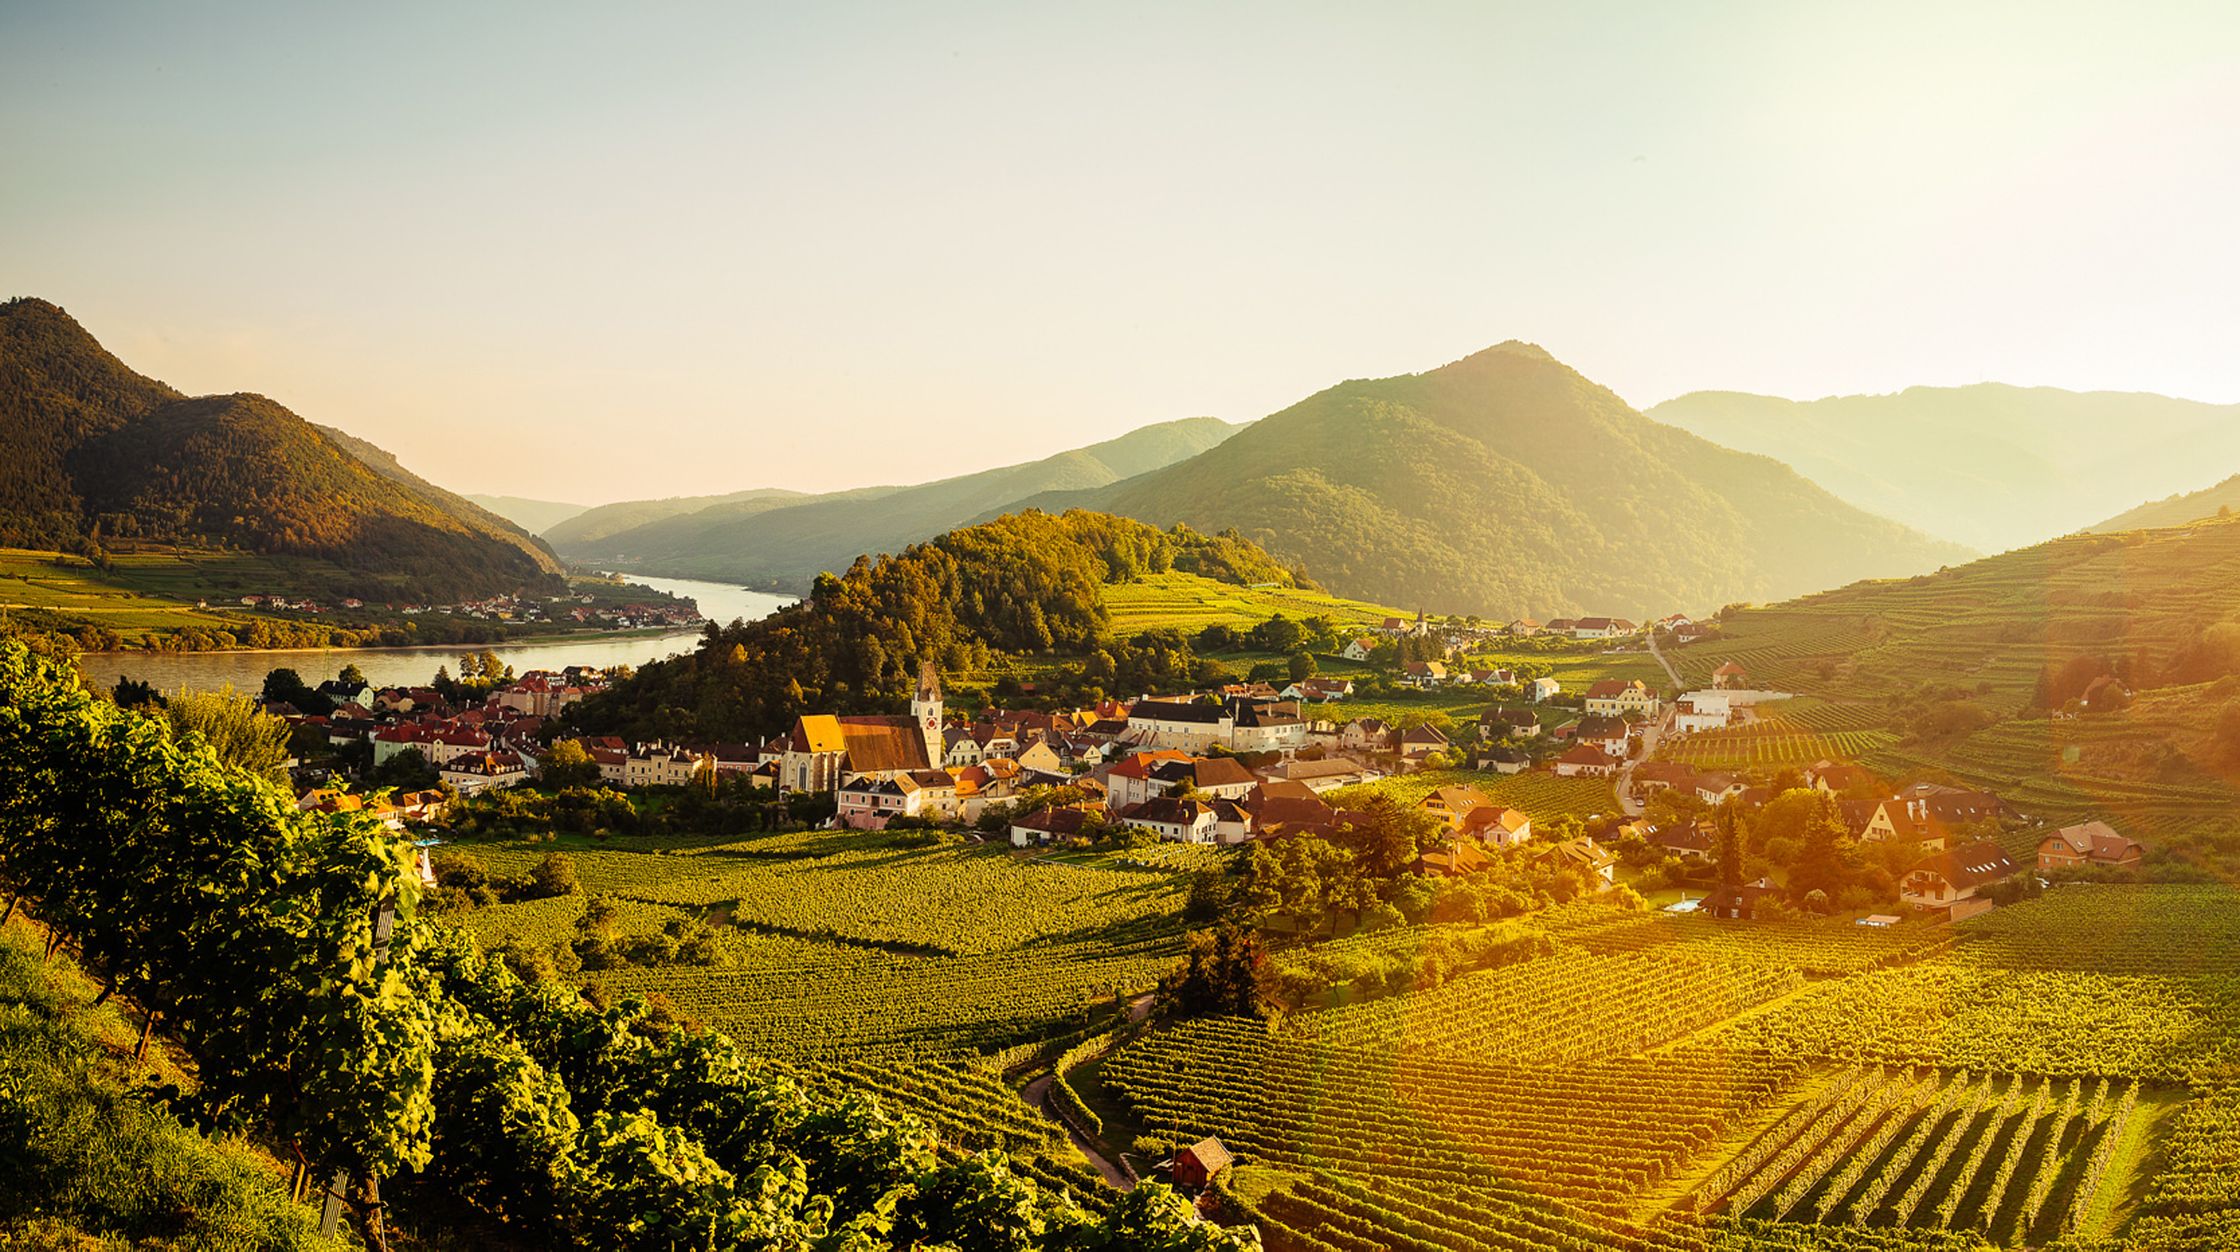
pixel 390 667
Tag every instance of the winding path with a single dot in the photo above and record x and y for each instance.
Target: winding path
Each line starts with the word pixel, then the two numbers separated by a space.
pixel 1037 1094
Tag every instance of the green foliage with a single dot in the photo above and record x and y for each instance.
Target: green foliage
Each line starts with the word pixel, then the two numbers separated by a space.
pixel 83 1151
pixel 249 925
pixel 234 727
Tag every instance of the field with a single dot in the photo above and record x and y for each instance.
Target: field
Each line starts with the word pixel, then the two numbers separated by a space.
pixel 1190 603
pixel 1540 796
pixel 1771 743
pixel 907 971
pixel 140 593
pixel 2058 1068
pixel 2053 1069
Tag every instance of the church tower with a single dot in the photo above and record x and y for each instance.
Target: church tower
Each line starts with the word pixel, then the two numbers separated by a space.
pixel 925 709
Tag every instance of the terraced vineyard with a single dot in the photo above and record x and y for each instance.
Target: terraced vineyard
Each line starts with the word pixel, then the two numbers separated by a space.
pixel 1771 743
pixel 1947 1012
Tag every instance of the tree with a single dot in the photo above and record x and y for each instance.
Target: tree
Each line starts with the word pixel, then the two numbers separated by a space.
pixel 233 725
pixel 569 764
pixel 131 693
pixel 353 677
pixel 555 875
pixel 1226 972
pixel 408 770
pixel 1302 666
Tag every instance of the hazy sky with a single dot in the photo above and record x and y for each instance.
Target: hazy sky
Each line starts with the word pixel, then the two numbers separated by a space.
pixel 586 253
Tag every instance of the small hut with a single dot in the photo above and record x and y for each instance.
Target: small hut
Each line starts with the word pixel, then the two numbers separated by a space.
pixel 1196 1165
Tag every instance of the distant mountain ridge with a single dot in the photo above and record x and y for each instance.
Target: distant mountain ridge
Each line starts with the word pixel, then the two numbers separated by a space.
pixel 1507 484
pixel 534 516
pixel 93 453
pixel 767 537
pixel 1991 466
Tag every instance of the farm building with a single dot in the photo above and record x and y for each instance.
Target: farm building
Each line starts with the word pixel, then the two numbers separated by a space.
pixel 1196 1166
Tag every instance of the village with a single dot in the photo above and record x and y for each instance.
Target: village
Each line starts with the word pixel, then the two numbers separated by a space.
pixel 1255 762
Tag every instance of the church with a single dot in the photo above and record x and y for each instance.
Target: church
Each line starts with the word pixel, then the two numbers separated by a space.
pixel 825 751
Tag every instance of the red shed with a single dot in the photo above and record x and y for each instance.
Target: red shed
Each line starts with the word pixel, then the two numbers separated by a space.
pixel 1195 1166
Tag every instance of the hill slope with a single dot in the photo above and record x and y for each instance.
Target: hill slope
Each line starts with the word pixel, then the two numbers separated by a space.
pixel 1990 466
pixel 758 538
pixel 91 452
pixel 1507 484
pixel 534 516
pixel 2220 500
pixel 1964 668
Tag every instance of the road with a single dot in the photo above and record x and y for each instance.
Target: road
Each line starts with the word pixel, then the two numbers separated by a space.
pixel 1626 803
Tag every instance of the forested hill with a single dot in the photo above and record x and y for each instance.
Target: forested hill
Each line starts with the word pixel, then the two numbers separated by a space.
pixel 1025 583
pixel 768 538
pixel 92 453
pixel 1507 484
pixel 1989 465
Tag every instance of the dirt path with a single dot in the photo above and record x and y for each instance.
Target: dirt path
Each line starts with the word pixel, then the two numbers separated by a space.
pixel 1037 1094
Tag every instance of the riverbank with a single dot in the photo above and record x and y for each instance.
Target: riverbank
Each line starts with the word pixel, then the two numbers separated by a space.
pixel 244 669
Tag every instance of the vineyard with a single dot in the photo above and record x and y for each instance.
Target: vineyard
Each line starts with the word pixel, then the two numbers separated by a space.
pixel 1680 1083
pixel 1770 743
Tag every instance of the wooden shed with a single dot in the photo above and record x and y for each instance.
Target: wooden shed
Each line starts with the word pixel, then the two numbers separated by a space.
pixel 1196 1165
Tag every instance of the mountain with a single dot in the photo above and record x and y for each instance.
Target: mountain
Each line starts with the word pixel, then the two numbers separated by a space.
pixel 1990 466
pixel 92 454
pixel 763 538
pixel 2221 500
pixel 1506 484
pixel 587 532
pixel 534 516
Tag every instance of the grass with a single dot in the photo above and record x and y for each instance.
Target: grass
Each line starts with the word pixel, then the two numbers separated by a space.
pixel 87 1159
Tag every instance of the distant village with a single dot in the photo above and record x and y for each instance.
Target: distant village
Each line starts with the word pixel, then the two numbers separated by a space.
pixel 569 610
pixel 1245 762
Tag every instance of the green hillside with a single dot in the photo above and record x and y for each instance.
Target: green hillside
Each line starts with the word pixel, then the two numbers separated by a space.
pixel 1506 484
pixel 1990 466
pixel 763 540
pixel 98 456
pixel 1964 671
pixel 534 516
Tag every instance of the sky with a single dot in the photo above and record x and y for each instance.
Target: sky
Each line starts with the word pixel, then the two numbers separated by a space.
pixel 599 252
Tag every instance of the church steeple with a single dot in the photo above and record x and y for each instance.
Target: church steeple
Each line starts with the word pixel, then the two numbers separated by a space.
pixel 925 709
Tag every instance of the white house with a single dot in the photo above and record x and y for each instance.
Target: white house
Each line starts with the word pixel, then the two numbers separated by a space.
pixel 1184 821
pixel 1186 726
pixel 1540 689
pixel 1699 711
